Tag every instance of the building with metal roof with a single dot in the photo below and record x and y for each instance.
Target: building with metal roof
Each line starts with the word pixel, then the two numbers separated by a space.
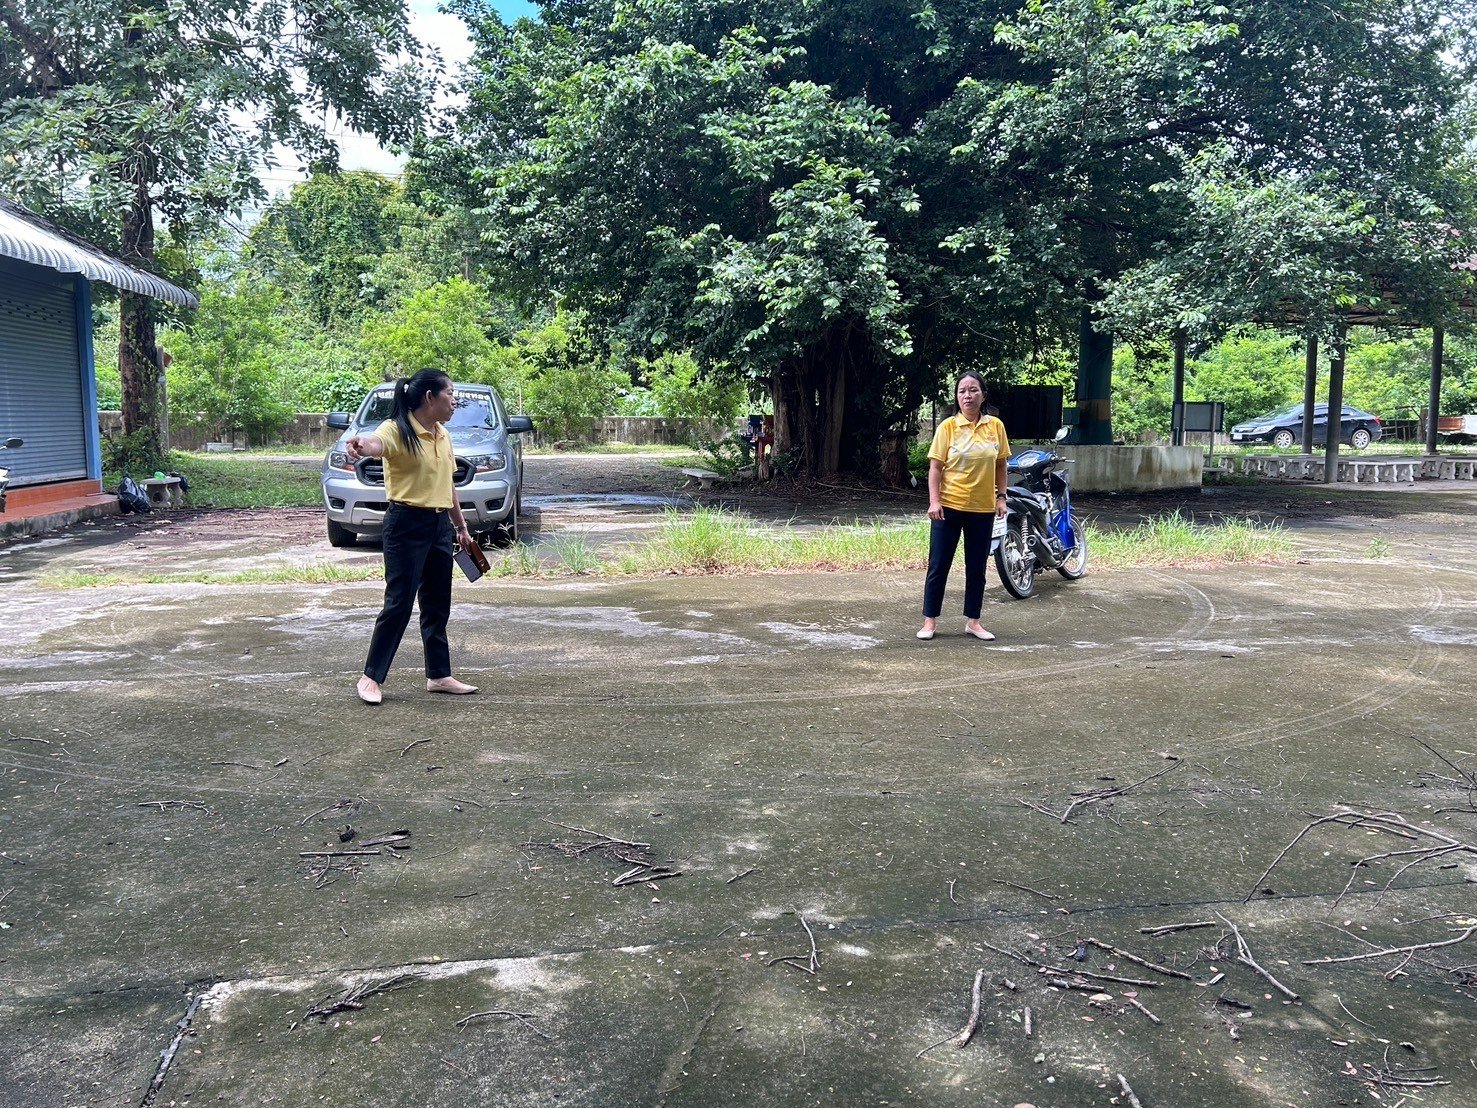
pixel 48 387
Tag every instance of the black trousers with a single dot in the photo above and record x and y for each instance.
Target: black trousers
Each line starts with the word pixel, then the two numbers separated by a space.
pixel 419 544
pixel 943 540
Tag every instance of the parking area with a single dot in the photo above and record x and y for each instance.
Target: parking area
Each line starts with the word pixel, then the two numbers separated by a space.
pixel 724 841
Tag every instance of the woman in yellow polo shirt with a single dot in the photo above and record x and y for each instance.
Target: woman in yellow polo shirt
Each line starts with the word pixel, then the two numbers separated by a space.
pixel 966 494
pixel 422 523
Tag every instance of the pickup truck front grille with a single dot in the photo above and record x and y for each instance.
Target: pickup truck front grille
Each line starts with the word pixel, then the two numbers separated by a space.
pixel 372 471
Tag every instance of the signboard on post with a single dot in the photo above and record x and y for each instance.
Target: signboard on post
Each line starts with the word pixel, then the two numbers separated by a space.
pixel 1199 416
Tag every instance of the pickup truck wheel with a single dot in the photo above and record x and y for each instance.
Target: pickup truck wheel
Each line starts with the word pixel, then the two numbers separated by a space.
pixel 339 535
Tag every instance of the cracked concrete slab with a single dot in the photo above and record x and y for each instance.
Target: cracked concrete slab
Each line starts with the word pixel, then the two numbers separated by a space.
pixel 171 752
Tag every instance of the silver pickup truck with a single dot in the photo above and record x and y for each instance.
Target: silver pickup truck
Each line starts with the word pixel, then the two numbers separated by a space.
pixel 489 467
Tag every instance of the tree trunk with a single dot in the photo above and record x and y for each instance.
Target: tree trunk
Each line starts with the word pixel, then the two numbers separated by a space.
pixel 138 349
pixel 811 394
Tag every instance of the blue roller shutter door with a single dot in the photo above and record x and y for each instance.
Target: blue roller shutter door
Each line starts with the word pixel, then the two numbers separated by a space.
pixel 41 396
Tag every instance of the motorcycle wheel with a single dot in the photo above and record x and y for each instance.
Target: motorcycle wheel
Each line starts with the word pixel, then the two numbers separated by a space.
pixel 1074 565
pixel 1015 563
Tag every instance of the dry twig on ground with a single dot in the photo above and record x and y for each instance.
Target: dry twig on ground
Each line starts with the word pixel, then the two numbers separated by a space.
pixel 521 1017
pixel 633 854
pixel 1096 796
pixel 353 1000
pixel 1438 844
pixel 810 964
pixel 1243 955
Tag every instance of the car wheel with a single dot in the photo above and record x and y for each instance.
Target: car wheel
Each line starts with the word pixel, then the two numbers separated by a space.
pixel 1360 438
pixel 1283 439
pixel 339 535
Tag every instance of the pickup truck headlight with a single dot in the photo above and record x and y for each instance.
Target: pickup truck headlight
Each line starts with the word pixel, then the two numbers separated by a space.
pixel 488 463
pixel 337 459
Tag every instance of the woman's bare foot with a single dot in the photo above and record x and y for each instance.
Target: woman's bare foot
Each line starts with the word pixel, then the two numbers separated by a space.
pixel 369 691
pixel 449 685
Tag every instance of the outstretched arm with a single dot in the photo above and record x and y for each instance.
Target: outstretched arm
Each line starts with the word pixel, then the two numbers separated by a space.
pixel 364 446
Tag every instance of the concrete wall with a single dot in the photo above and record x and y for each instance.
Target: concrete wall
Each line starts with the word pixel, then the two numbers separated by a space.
pixel 1134 468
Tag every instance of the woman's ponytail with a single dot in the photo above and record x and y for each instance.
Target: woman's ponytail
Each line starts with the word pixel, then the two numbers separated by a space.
pixel 400 413
pixel 410 394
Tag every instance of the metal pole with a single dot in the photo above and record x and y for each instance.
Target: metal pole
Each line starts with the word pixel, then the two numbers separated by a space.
pixel 1335 407
pixel 1177 424
pixel 1438 349
pixel 1310 393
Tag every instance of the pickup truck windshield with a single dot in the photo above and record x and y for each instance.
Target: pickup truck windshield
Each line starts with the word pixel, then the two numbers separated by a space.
pixel 473 409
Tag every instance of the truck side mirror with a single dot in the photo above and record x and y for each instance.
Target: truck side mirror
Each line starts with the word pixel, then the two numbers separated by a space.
pixel 339 421
pixel 519 424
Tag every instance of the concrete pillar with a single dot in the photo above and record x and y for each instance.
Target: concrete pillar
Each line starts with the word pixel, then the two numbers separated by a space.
pixel 1310 392
pixel 1094 385
pixel 1438 349
pixel 1335 407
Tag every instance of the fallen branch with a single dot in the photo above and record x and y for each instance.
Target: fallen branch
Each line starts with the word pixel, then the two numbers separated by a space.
pixel 1389 822
pixel 353 1000
pixel 166 1056
pixel 1043 967
pixel 738 877
pixel 1171 928
pixel 412 746
pixel 1116 952
pixel 163 804
pixel 814 962
pixel 1152 1017
pixel 1133 1101
pixel 1463 937
pixel 336 853
pixel 1095 796
pixel 961 1040
pixel 1025 888
pixel 1026 1021
pixel 1243 955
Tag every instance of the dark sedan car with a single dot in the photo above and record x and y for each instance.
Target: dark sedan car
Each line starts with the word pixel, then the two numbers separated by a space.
pixel 1284 427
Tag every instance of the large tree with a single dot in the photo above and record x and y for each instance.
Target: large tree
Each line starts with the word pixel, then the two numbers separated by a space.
pixel 118 116
pixel 848 199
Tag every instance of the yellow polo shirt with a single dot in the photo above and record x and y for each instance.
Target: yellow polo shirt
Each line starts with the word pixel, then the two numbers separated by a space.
pixel 969 452
pixel 422 479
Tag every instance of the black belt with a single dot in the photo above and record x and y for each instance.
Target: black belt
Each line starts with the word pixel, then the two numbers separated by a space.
pixel 417 507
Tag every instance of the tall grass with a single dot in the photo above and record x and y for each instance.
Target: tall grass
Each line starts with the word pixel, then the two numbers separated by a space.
pixel 1177 539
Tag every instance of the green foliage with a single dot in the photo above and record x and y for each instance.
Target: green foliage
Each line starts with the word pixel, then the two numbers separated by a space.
pixel 223 375
pixel 567 379
pixel 1253 371
pixel 319 242
pixel 681 390
pixel 135 455
pixel 444 327
pixel 1143 390
pixel 117 118
pixel 790 187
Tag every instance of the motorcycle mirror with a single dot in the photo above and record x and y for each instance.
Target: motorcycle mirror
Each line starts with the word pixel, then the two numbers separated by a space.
pixel 1062 433
pixel 14 444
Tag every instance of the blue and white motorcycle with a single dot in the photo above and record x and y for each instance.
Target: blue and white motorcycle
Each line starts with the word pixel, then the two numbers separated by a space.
pixel 1039 531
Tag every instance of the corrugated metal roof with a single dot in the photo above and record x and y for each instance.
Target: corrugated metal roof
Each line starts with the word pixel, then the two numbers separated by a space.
pixel 27 237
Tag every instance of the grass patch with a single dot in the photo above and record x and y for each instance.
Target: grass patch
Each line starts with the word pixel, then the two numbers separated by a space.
pixel 313 573
pixel 1177 540
pixel 716 541
pixel 227 481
